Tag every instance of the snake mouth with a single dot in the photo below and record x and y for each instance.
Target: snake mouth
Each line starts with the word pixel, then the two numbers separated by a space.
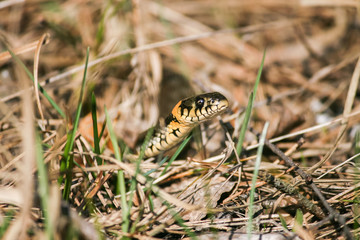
pixel 223 105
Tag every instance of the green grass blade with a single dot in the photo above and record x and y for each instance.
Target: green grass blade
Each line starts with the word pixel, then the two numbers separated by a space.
pixel 180 221
pixel 112 134
pixel 244 125
pixel 176 154
pixel 103 127
pixel 43 188
pixel 154 169
pixel 299 217
pixel 99 37
pixel 95 129
pixel 66 155
pixel 255 175
pixel 134 182
pixel 259 75
pixel 143 147
pixel 249 108
pixel 42 90
pixel 283 222
pixel 121 178
pixel 67 159
pixel 172 159
pixel 357 147
pixel 7 219
pixel 151 203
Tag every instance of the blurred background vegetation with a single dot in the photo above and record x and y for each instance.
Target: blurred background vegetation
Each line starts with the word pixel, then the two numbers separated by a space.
pixel 145 56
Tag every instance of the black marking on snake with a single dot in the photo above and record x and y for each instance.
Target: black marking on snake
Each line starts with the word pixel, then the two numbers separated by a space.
pixel 186 104
pixel 171 118
pixel 198 113
pixel 206 109
pixel 150 145
pixel 174 132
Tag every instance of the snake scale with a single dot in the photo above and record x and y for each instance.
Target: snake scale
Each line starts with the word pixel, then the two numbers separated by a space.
pixel 187 114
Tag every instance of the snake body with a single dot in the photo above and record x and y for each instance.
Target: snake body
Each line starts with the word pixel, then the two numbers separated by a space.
pixel 187 114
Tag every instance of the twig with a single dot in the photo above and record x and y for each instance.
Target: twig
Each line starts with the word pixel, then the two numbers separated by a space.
pixel 335 217
pixel 287 188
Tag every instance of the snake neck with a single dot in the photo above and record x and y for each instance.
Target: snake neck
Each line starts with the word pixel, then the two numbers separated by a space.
pixel 167 137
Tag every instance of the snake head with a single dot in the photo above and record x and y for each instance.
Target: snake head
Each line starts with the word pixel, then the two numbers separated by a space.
pixel 200 108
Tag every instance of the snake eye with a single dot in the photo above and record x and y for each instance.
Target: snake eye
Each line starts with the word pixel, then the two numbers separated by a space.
pixel 200 103
pixel 212 101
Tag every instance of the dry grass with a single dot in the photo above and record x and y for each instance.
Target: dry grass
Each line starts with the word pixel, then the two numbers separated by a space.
pixel 144 57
